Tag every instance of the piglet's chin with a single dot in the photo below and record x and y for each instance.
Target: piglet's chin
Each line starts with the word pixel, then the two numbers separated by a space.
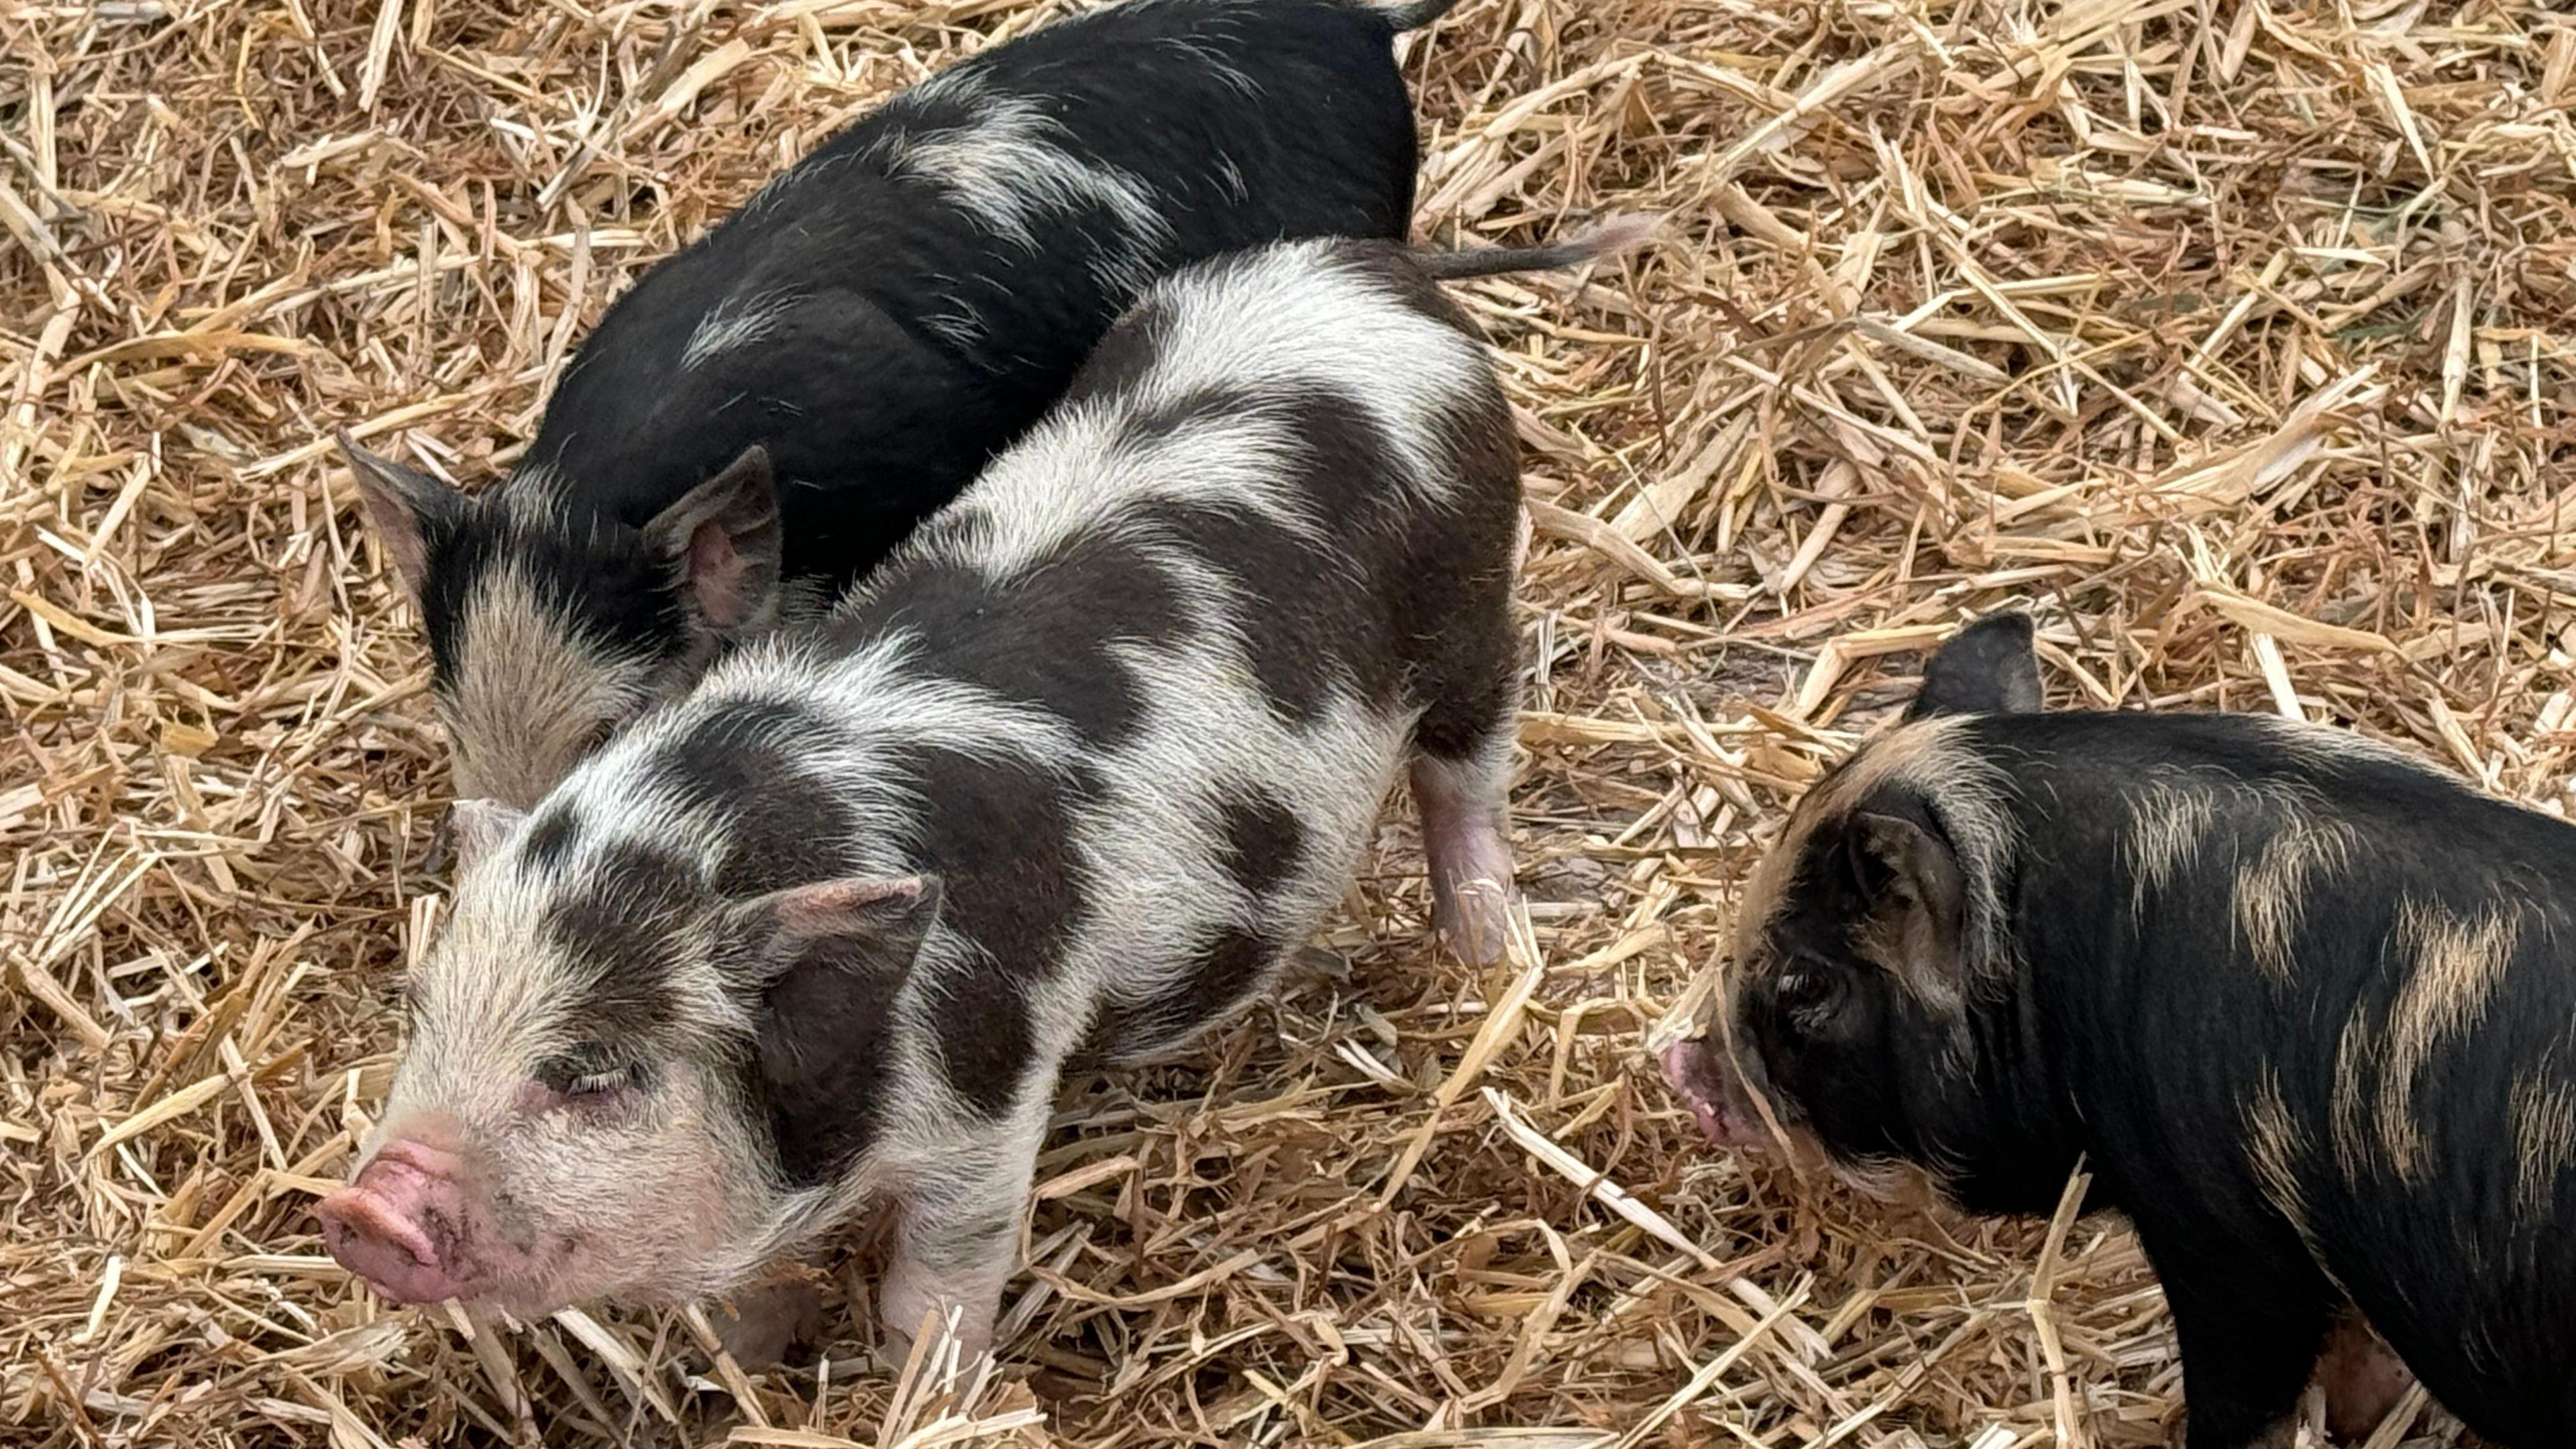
pixel 1702 1080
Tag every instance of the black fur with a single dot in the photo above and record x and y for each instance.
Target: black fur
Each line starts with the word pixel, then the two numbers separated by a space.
pixel 821 1031
pixel 2134 1026
pixel 781 827
pixel 617 933
pixel 999 837
pixel 872 417
pixel 1264 843
pixel 1220 978
pixel 553 836
pixel 1985 669
pixel 1047 636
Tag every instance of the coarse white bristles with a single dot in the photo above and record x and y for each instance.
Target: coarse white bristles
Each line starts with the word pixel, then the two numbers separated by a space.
pixel 2234 341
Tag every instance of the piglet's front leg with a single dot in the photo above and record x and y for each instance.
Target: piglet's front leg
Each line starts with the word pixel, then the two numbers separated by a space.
pixel 959 1235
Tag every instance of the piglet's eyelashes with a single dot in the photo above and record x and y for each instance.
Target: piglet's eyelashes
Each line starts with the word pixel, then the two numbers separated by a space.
pixel 589 1074
pixel 1810 990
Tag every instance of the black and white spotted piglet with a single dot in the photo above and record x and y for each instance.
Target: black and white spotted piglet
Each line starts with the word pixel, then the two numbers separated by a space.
pixel 779 404
pixel 1090 754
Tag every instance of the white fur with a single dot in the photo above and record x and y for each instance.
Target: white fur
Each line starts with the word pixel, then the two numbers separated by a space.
pixel 1151 842
pixel 736 322
pixel 1295 314
pixel 1149 835
pixel 1014 172
pixel 1286 317
pixel 528 695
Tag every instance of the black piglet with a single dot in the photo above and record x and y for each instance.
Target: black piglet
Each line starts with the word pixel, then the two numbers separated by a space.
pixel 774 408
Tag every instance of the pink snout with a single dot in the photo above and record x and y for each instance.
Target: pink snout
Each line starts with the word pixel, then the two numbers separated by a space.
pixel 402 1224
pixel 1706 1083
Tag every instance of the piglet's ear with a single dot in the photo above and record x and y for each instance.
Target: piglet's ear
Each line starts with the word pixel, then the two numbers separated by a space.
pixel 825 962
pixel 885 916
pixel 1917 901
pixel 406 508
pixel 722 541
pixel 479 827
pixel 1987 668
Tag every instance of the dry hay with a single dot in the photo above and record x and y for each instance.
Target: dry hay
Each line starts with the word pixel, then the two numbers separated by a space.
pixel 2227 332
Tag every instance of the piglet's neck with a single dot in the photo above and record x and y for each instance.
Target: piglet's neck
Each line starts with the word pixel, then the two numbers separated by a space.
pixel 2089 990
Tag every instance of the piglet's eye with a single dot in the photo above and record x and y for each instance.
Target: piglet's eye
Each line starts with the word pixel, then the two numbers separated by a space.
pixel 588 1074
pixel 1809 988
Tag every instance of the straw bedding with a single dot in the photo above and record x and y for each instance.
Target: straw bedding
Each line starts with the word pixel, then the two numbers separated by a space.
pixel 2230 334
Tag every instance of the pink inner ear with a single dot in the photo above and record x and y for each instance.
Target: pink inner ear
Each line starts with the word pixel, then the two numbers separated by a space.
pixel 833 905
pixel 715 575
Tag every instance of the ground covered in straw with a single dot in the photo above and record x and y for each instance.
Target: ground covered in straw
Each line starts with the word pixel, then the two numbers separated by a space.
pixel 2230 334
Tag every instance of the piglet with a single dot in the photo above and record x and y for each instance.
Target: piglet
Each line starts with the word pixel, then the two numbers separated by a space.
pixel 2305 1007
pixel 765 414
pixel 1060 786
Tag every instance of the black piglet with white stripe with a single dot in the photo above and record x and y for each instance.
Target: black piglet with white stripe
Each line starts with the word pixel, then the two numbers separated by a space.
pixel 776 406
pixel 1064 784
pixel 2304 1007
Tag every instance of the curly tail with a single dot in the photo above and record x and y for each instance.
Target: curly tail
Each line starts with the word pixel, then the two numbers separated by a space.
pixel 1613 236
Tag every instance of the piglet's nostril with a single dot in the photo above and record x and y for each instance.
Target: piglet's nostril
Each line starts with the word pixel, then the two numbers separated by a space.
pixel 399 1225
pixel 373 1242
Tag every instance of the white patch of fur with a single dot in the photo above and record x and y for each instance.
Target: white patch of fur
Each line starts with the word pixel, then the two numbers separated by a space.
pixel 736 322
pixel 2459 962
pixel 534 491
pixel 1013 170
pixel 1037 497
pixel 957 326
pixel 2544 1139
pixel 1211 58
pixel 2274 1147
pixel 2307 848
pixel 530 696
pixel 1288 318
pixel 2169 819
pixel 1301 315
pixel 2319 746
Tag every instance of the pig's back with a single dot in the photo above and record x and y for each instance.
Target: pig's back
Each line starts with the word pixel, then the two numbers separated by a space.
pixel 897 305
pixel 2347 1007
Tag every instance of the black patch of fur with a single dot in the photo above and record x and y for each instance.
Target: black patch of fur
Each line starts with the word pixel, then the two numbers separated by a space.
pixel 999 835
pixel 1398 601
pixel 1224 974
pixel 2140 1041
pixel 616 930
pixel 1305 639
pixel 1264 843
pixel 1046 635
pixel 823 1033
pixel 781 826
pixel 552 837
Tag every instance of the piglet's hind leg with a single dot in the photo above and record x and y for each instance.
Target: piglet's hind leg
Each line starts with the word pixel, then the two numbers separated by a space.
pixel 1470 857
